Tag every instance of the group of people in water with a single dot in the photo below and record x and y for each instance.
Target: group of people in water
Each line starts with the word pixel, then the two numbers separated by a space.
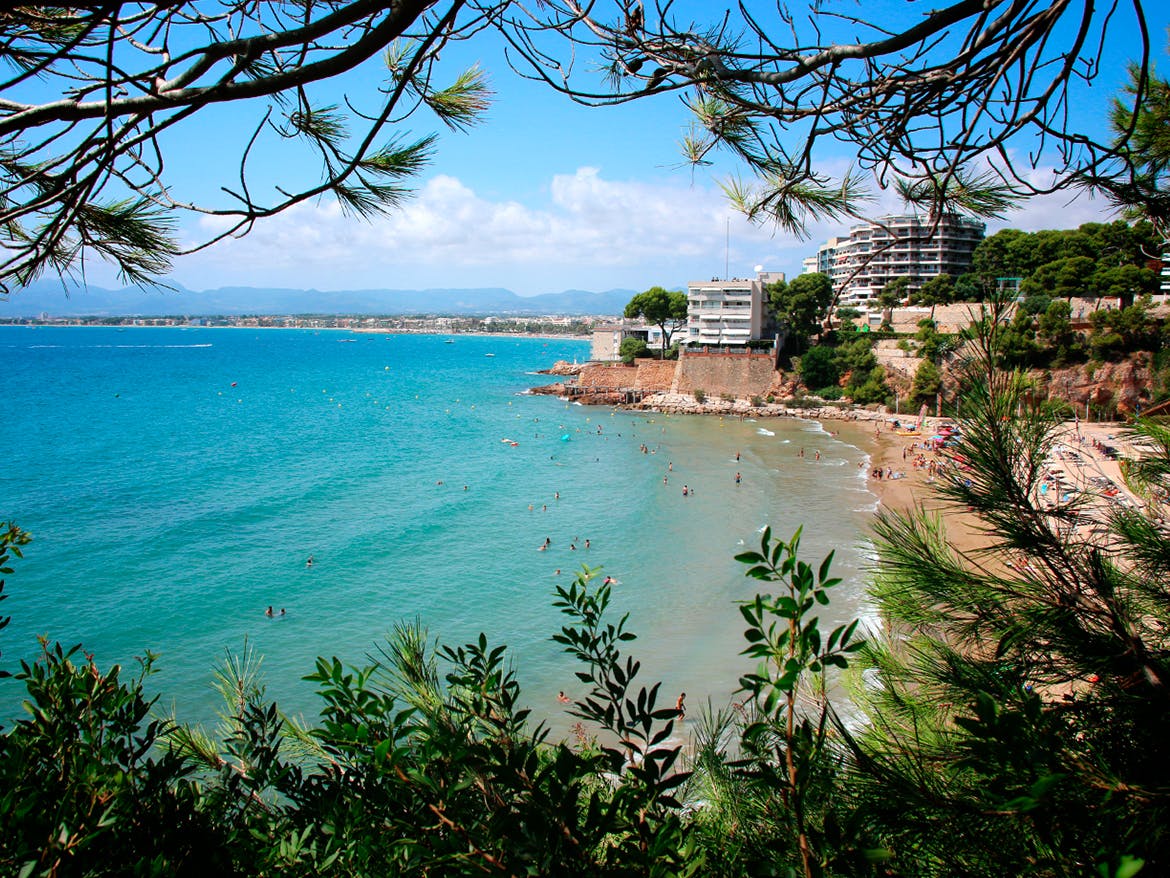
pixel 572 546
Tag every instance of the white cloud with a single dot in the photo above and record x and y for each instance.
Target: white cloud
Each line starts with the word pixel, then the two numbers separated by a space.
pixel 589 233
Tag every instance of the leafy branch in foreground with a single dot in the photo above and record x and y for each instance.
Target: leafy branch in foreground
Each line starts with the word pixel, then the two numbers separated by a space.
pixel 637 745
pixel 772 788
pixel 87 168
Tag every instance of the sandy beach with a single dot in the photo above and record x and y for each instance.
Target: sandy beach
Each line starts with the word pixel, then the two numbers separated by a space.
pixel 1085 463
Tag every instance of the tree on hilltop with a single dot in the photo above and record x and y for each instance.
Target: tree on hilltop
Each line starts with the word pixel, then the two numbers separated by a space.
pixel 935 291
pixel 801 304
pixel 665 309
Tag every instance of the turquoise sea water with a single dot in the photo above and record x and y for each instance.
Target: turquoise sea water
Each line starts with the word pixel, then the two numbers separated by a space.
pixel 176 481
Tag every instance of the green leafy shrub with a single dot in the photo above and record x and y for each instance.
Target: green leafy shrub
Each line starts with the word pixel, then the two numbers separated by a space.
pixel 633 348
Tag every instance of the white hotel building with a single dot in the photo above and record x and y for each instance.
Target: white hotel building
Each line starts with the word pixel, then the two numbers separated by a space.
pixel 728 312
pixel 896 246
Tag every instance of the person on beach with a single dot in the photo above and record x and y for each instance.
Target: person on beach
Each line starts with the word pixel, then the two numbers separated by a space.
pixel 679 707
pixel 737 478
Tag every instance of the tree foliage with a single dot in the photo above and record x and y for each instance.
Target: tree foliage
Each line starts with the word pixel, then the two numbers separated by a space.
pixel 927 384
pixel 927 104
pixel 665 309
pixel 1093 260
pixel 409 770
pixel 95 98
pixel 631 348
pixel 1024 700
pixel 818 367
pixel 935 291
pixel 801 304
pixel 1140 120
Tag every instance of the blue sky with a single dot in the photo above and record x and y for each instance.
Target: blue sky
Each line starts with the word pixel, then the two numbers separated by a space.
pixel 542 196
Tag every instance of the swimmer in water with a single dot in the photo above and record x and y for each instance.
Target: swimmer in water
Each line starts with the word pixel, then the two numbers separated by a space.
pixel 268 612
pixel 309 562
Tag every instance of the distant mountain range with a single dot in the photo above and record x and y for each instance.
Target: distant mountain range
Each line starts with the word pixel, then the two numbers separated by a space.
pixel 50 298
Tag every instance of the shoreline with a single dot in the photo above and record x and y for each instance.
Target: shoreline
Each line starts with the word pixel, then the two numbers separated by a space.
pixel 1084 467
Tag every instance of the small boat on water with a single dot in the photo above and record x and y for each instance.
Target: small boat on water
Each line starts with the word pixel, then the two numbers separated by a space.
pixel 489 355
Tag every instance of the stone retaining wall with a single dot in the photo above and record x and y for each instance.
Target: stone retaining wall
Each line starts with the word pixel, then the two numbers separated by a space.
pixel 740 377
pixel 655 376
pixel 607 377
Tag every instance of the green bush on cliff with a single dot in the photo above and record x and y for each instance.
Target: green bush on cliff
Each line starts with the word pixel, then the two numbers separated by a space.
pixel 633 348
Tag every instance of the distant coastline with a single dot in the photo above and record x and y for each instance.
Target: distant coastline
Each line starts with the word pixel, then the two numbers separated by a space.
pixel 573 329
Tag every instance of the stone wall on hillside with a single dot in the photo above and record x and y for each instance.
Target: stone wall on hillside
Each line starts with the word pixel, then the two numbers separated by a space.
pixel 896 362
pixel 739 376
pixel 656 376
pixel 607 377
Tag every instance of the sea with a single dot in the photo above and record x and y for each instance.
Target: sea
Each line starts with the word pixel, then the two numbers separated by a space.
pixel 176 481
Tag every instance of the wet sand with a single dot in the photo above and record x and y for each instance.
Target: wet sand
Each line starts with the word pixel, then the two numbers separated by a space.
pixel 885 448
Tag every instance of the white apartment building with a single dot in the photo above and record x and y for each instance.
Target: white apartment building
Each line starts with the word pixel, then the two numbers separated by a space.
pixel 823 262
pixel 897 246
pixel 728 312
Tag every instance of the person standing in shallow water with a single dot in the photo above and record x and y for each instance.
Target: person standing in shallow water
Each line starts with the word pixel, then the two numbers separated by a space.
pixel 680 706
